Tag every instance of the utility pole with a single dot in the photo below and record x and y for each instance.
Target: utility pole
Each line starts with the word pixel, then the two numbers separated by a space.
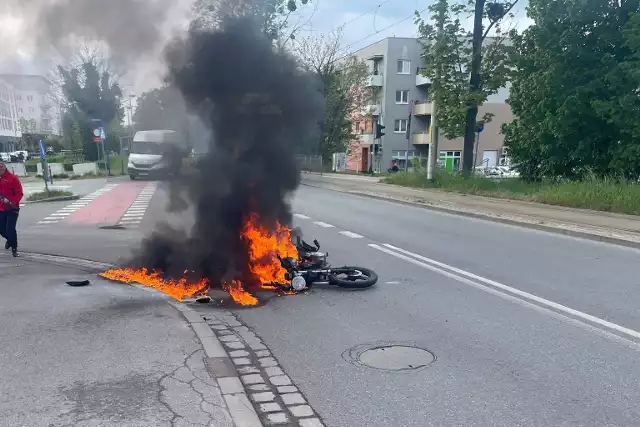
pixel 433 146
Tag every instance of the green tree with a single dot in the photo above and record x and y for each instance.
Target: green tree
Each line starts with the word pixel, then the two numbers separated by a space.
pixel 575 90
pixel 471 66
pixel 273 16
pixel 341 82
pixel 75 137
pixel 92 97
pixel 161 108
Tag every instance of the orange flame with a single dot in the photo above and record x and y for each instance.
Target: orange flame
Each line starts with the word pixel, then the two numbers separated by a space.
pixel 178 289
pixel 238 293
pixel 264 248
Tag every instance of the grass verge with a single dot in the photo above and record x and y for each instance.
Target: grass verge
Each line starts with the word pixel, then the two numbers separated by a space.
pixel 44 195
pixel 608 195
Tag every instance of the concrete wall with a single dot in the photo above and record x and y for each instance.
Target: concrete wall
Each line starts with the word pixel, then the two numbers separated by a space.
pixel 85 169
pixel 17 169
pixel 56 168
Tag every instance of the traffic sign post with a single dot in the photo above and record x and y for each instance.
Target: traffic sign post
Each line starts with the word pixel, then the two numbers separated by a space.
pixel 103 137
pixel 45 166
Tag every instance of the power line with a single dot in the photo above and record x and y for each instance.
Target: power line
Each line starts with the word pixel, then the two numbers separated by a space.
pixel 362 14
pixel 346 48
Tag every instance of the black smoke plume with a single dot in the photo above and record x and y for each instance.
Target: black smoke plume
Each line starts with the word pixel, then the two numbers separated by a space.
pixel 259 106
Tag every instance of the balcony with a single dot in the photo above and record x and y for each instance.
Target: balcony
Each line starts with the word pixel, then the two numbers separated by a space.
pixel 365 138
pixel 420 79
pixel 422 138
pixel 371 110
pixel 374 80
pixel 423 109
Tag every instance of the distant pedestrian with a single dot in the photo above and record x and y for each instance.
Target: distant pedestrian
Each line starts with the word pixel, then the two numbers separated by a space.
pixel 10 197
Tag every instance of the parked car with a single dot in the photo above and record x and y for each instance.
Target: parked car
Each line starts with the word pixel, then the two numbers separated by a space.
pixel 22 154
pixel 6 157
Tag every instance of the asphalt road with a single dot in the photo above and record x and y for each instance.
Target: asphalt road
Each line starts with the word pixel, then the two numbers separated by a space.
pixel 502 359
pixel 528 328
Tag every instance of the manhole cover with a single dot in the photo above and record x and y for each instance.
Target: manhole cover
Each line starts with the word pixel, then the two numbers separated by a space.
pixel 390 356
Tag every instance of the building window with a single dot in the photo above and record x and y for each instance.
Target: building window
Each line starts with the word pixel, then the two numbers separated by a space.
pixel 31 110
pixel 450 160
pixel 19 97
pixel 402 97
pixel 400 125
pixel 404 66
pixel 29 98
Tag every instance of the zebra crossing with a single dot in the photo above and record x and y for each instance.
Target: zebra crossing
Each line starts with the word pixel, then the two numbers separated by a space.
pixel 78 204
pixel 134 214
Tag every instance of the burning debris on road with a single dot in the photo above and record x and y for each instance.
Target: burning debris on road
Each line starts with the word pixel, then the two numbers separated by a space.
pixel 259 106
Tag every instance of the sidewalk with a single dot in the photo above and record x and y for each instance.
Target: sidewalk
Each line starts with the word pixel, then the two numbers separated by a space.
pixel 102 354
pixel 602 226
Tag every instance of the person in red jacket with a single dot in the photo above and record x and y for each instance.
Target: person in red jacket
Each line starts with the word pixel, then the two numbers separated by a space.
pixel 10 196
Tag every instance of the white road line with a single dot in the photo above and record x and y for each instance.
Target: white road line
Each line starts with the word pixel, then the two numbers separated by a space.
pixel 61 214
pixel 301 216
pixel 129 222
pixel 323 224
pixel 350 234
pixel 136 210
pixel 47 222
pixel 505 291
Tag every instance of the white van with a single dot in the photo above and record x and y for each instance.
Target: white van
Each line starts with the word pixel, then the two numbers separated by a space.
pixel 146 158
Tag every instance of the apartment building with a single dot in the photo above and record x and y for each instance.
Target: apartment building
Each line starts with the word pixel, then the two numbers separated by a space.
pixel 398 90
pixel 36 106
pixel 10 132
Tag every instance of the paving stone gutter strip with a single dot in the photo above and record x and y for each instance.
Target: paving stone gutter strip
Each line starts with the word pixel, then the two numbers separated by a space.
pixel 256 389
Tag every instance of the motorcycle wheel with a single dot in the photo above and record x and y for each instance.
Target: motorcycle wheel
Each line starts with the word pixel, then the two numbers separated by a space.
pixel 353 277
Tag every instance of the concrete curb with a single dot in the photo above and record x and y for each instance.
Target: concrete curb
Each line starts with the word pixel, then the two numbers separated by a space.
pixel 222 369
pixel 67 261
pixel 53 199
pixel 557 229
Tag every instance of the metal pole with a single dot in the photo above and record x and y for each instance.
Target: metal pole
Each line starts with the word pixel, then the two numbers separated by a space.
pixel 475 151
pixel 433 146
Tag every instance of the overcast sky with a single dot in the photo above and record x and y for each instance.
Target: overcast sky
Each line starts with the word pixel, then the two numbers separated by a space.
pixel 363 22
pixel 371 20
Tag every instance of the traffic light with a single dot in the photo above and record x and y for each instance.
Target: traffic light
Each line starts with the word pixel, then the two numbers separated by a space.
pixel 379 132
pixel 376 148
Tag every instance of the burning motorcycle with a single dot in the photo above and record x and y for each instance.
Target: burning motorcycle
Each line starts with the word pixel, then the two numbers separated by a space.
pixel 311 268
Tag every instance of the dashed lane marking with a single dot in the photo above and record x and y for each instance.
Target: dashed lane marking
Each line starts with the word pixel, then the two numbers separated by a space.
pixel 323 224
pixel 78 204
pixel 301 216
pixel 350 234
